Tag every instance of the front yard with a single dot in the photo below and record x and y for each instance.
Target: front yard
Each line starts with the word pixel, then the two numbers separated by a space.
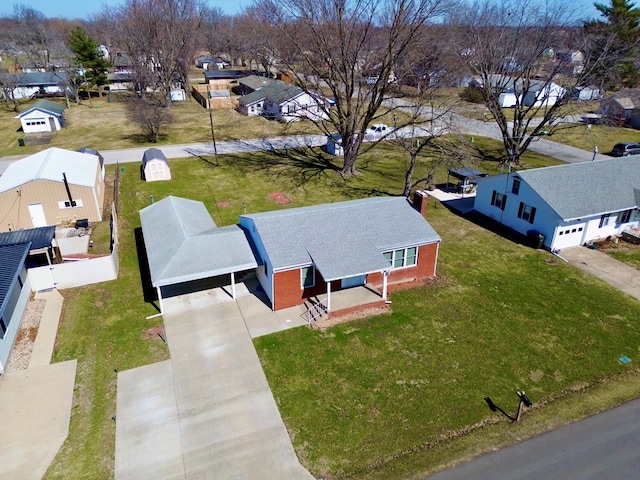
pixel 374 398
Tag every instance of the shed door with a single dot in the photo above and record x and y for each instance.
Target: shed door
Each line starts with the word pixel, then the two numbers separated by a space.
pixel 52 124
pixel 37 215
pixel 353 281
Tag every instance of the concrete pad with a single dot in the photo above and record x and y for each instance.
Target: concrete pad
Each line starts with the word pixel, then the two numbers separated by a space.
pixel 614 272
pixel 148 441
pixel 47 330
pixel 73 245
pixel 35 410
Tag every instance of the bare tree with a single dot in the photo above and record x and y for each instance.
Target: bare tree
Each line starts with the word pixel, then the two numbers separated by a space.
pixel 506 46
pixel 8 84
pixel 161 38
pixel 348 49
pixel 150 114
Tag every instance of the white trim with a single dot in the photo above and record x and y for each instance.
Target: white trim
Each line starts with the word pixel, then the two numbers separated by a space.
pixel 313 270
pixel 66 204
pixel 328 297
pixel 233 285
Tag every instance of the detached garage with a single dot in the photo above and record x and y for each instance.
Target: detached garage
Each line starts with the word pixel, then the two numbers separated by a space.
pixel 51 187
pixel 155 166
pixel 42 116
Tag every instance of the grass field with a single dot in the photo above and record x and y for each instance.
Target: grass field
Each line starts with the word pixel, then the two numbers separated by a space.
pixel 373 398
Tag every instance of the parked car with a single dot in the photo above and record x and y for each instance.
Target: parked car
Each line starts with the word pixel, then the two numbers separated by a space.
pixel 625 149
pixel 378 129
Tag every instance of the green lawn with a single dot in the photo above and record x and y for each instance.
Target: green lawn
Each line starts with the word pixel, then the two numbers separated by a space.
pixel 366 398
pixel 588 136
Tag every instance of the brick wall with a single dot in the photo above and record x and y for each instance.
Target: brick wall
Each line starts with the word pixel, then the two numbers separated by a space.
pixel 426 268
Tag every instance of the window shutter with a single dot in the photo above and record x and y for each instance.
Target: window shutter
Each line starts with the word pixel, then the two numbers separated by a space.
pixel 520 207
pixel 504 202
pixel 533 214
pixel 493 198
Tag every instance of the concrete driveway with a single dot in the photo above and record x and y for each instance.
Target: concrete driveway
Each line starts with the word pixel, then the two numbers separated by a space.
pixel 208 412
pixel 617 274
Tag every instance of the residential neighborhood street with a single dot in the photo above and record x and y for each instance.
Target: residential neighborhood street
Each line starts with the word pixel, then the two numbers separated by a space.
pixel 602 446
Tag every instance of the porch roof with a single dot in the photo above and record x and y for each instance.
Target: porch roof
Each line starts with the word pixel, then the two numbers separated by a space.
pixel 368 260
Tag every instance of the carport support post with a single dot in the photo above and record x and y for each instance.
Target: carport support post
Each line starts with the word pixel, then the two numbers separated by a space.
pixel 160 300
pixel 233 285
pixel 328 296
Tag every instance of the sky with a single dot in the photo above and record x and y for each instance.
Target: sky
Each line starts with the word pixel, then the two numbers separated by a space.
pixel 81 9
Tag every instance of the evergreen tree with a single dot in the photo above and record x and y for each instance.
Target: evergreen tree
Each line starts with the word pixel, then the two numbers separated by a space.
pixel 613 44
pixel 89 58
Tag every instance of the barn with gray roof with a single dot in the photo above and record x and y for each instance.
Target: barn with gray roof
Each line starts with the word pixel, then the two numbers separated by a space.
pixel 569 205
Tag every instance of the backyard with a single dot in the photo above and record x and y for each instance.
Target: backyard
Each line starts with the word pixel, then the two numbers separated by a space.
pixel 385 397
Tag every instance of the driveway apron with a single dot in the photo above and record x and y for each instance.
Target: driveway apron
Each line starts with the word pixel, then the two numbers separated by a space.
pixel 227 420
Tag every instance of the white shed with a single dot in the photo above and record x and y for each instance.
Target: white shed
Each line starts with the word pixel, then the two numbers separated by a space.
pixel 334 145
pixel 155 166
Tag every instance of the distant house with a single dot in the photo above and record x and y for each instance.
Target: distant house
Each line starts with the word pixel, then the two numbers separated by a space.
pixel 282 101
pixel 512 91
pixel 569 204
pixel 206 61
pixel 155 166
pixel 586 93
pixel 32 84
pixel 14 295
pixel 573 59
pixel 374 241
pixel 225 79
pixel 42 116
pixel 122 64
pixel 623 107
pixel 50 187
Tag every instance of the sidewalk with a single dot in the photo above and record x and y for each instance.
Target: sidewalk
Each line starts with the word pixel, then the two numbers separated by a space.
pixel 35 404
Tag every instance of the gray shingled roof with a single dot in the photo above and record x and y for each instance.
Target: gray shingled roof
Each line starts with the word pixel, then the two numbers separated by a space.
pixel 184 244
pixel 276 91
pixel 44 105
pixel 37 79
pixel 627 98
pixel 153 154
pixel 590 188
pixel 252 97
pixel 342 239
pixel 255 82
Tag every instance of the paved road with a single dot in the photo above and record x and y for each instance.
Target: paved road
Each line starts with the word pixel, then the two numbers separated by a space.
pixel 605 446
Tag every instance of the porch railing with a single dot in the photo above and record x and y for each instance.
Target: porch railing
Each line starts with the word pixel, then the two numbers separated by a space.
pixel 315 312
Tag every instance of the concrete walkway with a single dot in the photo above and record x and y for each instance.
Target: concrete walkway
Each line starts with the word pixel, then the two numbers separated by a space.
pixel 35 404
pixel 208 412
pixel 616 273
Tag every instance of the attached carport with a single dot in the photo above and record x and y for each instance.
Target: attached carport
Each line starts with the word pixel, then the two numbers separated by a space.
pixel 466 175
pixel 186 251
pixel 40 238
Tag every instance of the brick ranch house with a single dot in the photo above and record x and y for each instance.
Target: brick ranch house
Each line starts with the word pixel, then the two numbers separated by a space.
pixel 298 253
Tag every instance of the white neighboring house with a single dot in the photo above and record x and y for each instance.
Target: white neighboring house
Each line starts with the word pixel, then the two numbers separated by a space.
pixel 284 102
pixel 570 205
pixel 42 116
pixel 155 166
pixel 28 84
pixel 538 93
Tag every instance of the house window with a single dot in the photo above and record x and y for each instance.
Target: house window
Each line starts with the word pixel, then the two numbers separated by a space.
pixel 308 277
pixel 405 257
pixel 515 188
pixel 526 212
pixel 499 200
pixel 63 204
pixel 605 220
pixel 624 217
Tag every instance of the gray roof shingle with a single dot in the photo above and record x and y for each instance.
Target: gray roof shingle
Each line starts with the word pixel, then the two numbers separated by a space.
pixel 44 105
pixel 590 188
pixel 343 239
pixel 184 244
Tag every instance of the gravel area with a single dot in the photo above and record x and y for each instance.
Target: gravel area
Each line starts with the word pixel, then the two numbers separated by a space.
pixel 21 352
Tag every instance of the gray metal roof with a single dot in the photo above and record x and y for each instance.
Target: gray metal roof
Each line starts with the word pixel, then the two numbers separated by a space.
pixel 37 79
pixel 342 239
pixel 184 244
pixel 589 188
pixel 153 154
pixel 39 237
pixel 12 258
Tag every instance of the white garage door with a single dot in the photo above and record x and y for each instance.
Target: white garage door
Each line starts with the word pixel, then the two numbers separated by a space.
pixel 569 236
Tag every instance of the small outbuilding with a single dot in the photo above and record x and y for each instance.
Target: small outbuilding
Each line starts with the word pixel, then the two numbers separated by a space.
pixel 42 116
pixel 334 145
pixel 155 166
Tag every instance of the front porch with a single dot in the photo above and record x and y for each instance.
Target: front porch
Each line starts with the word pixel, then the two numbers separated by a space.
pixel 343 302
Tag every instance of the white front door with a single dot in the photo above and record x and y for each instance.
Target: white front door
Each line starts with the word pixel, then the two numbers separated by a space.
pixel 37 215
pixel 353 281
